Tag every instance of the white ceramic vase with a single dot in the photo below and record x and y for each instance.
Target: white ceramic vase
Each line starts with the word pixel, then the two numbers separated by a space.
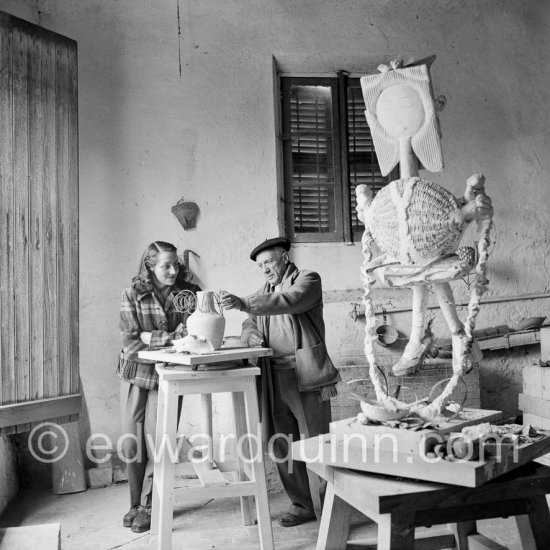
pixel 205 322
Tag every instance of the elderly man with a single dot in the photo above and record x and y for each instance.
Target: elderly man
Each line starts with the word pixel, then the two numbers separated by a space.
pixel 299 379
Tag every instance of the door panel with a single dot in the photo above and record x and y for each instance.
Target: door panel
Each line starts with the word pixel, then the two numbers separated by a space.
pixel 38 225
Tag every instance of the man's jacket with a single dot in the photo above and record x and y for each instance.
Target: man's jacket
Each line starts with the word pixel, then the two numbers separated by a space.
pixel 301 298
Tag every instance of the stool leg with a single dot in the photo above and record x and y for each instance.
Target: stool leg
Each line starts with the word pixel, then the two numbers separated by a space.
pixel 262 504
pixel 155 503
pixel 335 522
pixel 461 531
pixel 206 419
pixel 247 502
pixel 166 455
pixel 534 528
pixel 396 531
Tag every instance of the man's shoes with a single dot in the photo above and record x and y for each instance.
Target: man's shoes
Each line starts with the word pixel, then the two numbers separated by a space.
pixel 142 522
pixel 291 520
pixel 130 516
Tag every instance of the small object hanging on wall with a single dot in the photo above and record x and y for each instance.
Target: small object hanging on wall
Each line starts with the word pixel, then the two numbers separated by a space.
pixel 186 212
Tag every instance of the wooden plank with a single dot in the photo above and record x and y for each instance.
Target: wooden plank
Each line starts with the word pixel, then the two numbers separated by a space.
pixel 434 542
pixel 539 521
pixel 335 521
pixel 334 450
pixel 183 372
pixel 536 421
pixel 510 340
pixel 461 530
pixel 167 355
pixel 36 195
pixel 21 217
pixel 64 271
pixel 73 218
pixel 46 537
pixel 244 469
pixel 465 512
pixel 68 475
pixel 545 343
pixel 43 409
pixel 7 314
pixel 532 380
pixel 209 476
pixel 50 223
pixel 34 119
pixel 396 531
pixel 534 405
pixel 407 441
pixel 481 542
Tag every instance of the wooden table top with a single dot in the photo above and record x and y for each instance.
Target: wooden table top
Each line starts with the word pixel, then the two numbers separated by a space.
pixel 168 355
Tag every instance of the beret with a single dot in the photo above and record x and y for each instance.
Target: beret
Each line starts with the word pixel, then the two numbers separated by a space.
pixel 270 243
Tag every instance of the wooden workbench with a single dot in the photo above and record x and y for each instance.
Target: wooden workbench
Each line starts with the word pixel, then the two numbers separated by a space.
pixel 400 505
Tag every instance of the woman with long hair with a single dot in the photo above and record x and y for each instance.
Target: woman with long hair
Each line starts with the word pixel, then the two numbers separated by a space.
pixel 148 319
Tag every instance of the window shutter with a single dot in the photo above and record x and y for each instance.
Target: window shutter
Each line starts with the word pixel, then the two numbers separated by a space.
pixel 362 161
pixel 328 151
pixel 312 181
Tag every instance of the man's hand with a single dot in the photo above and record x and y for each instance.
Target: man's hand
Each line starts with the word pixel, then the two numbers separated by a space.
pixel 230 301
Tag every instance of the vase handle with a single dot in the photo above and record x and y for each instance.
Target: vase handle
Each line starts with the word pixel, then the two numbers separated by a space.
pixel 218 301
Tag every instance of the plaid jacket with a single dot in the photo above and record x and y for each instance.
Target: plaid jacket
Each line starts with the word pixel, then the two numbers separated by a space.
pixel 143 312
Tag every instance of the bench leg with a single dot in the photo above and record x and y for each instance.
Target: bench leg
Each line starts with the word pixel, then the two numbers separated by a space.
pixel 534 528
pixel 396 531
pixel 461 531
pixel 335 522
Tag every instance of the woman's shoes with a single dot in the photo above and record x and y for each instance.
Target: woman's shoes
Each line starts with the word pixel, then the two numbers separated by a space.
pixel 142 522
pixel 128 519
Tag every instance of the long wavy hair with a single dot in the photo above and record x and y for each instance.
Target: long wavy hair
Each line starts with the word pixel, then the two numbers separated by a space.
pixel 143 281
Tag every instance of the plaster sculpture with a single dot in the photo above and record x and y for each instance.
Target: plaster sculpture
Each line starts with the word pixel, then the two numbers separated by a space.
pixel 416 225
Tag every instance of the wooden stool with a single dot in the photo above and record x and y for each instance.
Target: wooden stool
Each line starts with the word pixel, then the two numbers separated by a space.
pixel 399 505
pixel 241 382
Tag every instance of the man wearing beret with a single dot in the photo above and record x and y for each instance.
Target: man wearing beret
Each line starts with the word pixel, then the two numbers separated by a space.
pixel 299 379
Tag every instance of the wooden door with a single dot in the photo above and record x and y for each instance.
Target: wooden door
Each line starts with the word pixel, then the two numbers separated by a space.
pixel 38 226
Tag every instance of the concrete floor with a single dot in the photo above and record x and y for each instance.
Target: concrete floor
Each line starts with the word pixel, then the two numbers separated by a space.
pixel 92 520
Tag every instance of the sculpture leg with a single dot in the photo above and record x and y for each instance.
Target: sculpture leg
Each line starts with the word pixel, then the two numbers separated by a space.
pixel 463 359
pixel 421 339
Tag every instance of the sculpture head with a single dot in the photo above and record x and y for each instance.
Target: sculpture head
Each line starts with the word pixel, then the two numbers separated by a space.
pixel 399 111
pixel 399 104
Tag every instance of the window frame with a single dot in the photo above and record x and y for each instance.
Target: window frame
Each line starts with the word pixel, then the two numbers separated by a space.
pixel 339 83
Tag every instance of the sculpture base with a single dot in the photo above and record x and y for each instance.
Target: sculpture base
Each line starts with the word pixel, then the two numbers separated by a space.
pixel 409 441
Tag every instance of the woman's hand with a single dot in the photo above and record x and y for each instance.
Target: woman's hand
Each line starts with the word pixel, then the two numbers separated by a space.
pixel 145 337
pixel 256 340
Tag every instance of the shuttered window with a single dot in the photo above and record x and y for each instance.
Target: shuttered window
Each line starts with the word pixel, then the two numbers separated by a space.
pixel 328 150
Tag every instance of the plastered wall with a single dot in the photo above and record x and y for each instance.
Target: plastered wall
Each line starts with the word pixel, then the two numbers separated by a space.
pixel 177 100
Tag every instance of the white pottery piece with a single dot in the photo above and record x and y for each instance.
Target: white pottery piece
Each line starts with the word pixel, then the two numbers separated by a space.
pixel 193 344
pixel 206 322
